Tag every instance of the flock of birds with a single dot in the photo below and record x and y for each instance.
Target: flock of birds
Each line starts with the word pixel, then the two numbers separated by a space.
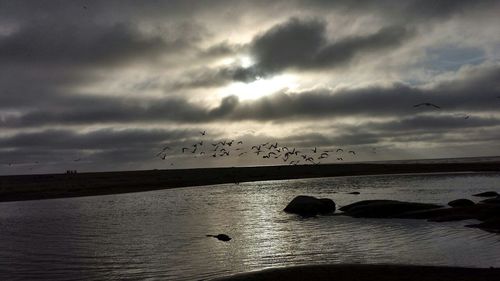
pixel 267 150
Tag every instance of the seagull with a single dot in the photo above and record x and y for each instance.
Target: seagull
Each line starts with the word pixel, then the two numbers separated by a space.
pixel 427 104
pixel 239 142
pixel 203 133
pixel 352 152
pixel 340 150
pixel 314 150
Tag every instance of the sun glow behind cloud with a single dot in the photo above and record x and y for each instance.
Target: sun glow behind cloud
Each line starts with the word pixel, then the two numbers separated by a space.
pixel 260 87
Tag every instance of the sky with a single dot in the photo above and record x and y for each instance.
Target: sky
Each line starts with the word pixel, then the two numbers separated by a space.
pixel 106 85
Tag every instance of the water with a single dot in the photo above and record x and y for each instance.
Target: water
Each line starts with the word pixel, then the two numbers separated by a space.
pixel 160 235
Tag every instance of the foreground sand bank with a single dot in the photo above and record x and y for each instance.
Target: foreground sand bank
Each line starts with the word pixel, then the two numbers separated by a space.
pixel 356 272
pixel 32 187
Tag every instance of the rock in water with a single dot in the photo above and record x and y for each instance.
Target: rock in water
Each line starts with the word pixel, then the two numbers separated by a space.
pixel 363 203
pixel 492 225
pixel 385 208
pixel 487 194
pixel 461 203
pixel 309 206
pixel 495 200
pixel 221 237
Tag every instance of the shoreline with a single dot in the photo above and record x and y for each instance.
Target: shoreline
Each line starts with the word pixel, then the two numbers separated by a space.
pixel 49 186
pixel 368 272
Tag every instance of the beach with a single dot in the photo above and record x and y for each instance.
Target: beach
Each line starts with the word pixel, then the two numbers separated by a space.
pixel 34 187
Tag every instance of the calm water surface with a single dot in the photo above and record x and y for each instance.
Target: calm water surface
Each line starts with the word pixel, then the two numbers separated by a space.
pixel 160 235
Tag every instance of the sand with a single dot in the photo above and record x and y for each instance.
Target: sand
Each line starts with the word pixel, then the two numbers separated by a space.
pixel 33 187
pixel 357 272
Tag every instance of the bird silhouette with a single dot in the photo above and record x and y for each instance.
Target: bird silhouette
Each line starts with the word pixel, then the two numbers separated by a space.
pixel 352 152
pixel 340 150
pixel 203 133
pixel 427 104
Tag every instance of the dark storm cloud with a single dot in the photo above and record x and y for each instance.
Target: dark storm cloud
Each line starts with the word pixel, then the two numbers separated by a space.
pixel 50 42
pixel 406 10
pixel 100 139
pixel 303 44
pixel 473 92
pixel 300 45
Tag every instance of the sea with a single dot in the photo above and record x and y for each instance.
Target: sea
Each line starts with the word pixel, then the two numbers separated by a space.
pixel 161 235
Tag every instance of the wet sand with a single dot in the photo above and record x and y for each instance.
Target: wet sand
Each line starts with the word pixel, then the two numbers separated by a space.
pixel 33 187
pixel 357 272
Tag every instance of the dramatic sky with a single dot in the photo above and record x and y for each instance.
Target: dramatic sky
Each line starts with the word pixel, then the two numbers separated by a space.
pixel 105 85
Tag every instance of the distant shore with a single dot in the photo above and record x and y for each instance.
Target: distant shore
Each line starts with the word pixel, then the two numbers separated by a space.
pixel 365 272
pixel 34 187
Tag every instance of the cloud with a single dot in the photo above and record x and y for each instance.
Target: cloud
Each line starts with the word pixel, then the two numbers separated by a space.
pixel 102 139
pixel 303 44
pixel 473 91
pixel 298 44
pixel 52 43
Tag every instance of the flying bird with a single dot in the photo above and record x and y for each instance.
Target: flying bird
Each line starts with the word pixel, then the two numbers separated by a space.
pixel 352 152
pixel 340 150
pixel 427 104
pixel 203 133
pixel 239 142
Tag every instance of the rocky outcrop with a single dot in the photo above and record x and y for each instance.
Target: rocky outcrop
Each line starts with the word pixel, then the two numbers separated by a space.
pixel 487 194
pixel 309 206
pixel 495 200
pixel 461 203
pixel 384 208
pixel 491 225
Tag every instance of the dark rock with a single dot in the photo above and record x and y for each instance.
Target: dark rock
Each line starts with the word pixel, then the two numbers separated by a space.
pixel 363 203
pixel 492 225
pixel 487 194
pixel 495 200
pixel 309 206
pixel 221 237
pixel 354 193
pixel 386 209
pixel 477 211
pixel 461 203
